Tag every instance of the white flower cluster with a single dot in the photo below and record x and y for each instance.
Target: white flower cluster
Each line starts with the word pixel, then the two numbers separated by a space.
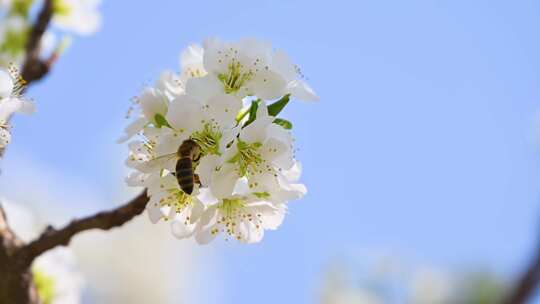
pixel 11 86
pixel 212 153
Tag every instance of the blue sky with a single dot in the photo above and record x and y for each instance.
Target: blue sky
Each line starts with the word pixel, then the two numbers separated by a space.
pixel 425 142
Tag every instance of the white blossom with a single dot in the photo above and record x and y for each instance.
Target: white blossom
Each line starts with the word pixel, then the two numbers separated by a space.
pixel 242 216
pixel 248 67
pixel 11 86
pixel 168 202
pixel 57 277
pixel 79 16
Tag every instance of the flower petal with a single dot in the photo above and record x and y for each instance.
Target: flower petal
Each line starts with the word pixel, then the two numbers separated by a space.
pixel 185 114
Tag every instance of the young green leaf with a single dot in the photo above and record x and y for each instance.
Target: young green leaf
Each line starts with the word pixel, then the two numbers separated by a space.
pixel 275 108
pixel 284 123
pixel 252 112
pixel 161 121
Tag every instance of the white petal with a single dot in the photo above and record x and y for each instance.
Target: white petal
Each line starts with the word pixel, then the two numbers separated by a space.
pixel 153 102
pixel 293 174
pixel 301 90
pixel 192 55
pixel 251 49
pixel 5 137
pixel 272 220
pixel 180 229
pixel 256 131
pixel 254 235
pixel 133 128
pixel 205 236
pixel 136 179
pixel 223 108
pixel 8 106
pixel 203 88
pixel 213 52
pixel 154 212
pixel 273 149
pixel 170 84
pixel 26 107
pixel 282 65
pixel 82 17
pixel 267 85
pixel 206 197
pixel 196 211
pixel 224 181
pixel 185 113
pixel 6 84
pixel 207 167
pixel 241 187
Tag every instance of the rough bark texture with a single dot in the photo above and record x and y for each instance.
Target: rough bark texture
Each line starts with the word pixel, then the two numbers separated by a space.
pixel 16 284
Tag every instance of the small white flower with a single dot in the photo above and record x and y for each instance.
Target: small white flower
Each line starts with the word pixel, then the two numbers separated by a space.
pixel 151 102
pixel 191 61
pixel 11 86
pixel 57 277
pixel 79 16
pixel 168 202
pixel 243 217
pixel 247 68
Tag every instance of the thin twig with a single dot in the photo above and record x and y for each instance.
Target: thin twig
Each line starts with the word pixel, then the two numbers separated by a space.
pixel 105 220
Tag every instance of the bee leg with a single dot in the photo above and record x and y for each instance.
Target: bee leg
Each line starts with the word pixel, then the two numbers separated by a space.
pixel 197 179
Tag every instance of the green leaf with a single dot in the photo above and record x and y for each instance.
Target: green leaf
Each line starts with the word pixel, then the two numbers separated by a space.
pixel 284 123
pixel 252 112
pixel 161 121
pixel 275 108
pixel 20 8
pixel 242 114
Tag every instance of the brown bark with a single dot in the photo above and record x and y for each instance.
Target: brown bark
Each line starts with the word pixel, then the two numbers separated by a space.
pixel 525 286
pixel 16 257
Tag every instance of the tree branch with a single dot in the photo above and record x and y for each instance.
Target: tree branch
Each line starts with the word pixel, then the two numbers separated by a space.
pixel 33 67
pixel 527 283
pixel 8 240
pixel 105 220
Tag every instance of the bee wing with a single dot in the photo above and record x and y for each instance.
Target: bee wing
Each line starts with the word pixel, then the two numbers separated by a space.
pixel 158 163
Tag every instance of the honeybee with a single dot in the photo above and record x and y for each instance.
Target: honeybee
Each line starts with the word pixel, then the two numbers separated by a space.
pixel 188 153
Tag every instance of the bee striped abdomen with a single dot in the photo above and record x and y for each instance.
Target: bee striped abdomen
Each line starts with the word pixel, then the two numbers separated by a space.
pixel 184 174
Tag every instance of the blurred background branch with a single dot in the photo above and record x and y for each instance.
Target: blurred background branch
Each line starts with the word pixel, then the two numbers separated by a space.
pixel 527 283
pixel 103 220
pixel 16 257
pixel 34 68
